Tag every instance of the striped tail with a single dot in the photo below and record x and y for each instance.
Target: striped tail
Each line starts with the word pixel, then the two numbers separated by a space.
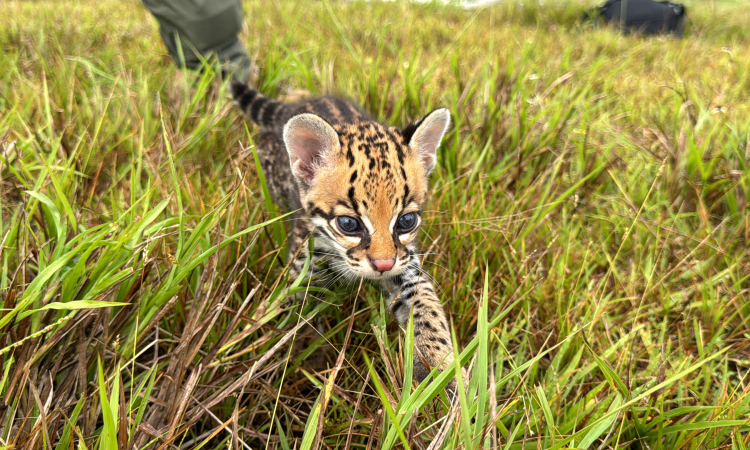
pixel 260 109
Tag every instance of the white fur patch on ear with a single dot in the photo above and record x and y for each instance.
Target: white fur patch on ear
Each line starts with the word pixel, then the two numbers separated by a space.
pixel 426 138
pixel 310 141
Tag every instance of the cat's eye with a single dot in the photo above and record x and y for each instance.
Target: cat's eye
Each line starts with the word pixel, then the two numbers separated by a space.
pixel 407 222
pixel 348 225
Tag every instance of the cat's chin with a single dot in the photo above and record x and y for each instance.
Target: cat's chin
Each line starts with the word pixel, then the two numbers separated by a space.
pixel 377 276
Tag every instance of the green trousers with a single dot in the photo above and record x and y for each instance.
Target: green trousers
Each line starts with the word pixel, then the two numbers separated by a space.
pixel 195 29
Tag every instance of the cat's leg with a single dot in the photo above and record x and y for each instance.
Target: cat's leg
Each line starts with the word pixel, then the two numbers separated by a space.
pixel 298 250
pixel 433 347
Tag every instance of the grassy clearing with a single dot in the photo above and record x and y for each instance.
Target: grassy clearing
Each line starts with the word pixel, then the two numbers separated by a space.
pixel 588 228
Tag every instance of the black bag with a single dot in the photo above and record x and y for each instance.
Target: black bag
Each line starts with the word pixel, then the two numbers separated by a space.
pixel 642 16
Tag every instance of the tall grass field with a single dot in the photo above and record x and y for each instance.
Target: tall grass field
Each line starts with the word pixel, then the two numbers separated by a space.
pixel 588 230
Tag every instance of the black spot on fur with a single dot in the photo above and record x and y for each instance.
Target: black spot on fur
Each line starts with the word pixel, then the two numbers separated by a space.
pixel 409 130
pixel 353 200
pixel 409 285
pixel 364 244
pixel 319 212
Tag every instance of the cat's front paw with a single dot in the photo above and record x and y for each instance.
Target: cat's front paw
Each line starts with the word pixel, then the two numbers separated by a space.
pixel 451 389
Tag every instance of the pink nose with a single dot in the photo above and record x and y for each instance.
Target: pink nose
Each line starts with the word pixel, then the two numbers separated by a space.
pixel 382 265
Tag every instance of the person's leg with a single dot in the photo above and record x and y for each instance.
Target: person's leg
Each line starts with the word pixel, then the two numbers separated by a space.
pixel 203 29
pixel 239 62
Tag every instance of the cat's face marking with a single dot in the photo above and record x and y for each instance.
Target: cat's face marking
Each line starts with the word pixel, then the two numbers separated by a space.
pixel 363 186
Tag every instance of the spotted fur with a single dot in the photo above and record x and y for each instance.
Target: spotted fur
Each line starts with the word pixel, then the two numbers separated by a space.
pixel 329 159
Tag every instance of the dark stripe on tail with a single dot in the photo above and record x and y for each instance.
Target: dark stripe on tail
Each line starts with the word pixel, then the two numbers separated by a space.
pixel 260 109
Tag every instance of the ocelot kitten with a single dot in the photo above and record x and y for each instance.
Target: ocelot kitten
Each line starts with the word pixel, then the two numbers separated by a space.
pixel 360 186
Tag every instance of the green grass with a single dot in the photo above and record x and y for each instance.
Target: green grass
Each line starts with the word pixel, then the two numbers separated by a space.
pixel 588 227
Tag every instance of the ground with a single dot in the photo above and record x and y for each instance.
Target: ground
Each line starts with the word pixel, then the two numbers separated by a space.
pixel 588 228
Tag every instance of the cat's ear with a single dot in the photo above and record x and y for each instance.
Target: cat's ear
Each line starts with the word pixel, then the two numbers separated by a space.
pixel 310 142
pixel 425 136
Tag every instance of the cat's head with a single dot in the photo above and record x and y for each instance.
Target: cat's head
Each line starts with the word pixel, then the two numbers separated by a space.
pixel 364 186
